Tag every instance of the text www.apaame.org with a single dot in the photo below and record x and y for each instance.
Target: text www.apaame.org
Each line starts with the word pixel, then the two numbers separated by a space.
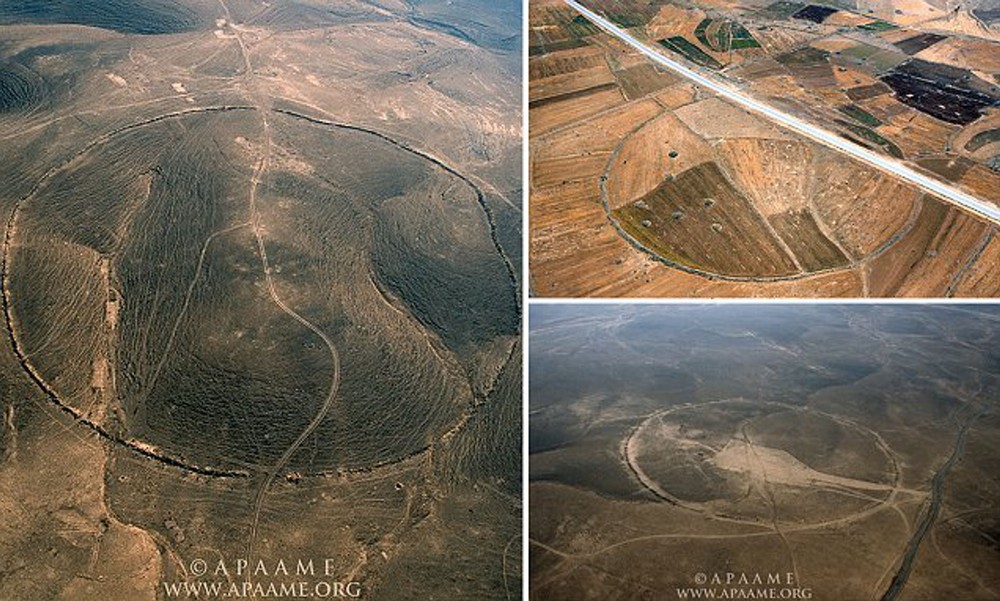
pixel 259 590
pixel 743 593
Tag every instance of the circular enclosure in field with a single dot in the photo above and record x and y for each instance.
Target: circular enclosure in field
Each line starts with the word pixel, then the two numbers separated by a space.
pixel 749 208
pixel 341 330
pixel 761 462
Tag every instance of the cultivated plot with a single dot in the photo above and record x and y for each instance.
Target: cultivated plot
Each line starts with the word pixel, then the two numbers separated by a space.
pixel 645 181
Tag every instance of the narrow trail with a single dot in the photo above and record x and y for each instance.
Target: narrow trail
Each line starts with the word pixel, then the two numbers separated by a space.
pixel 328 403
pixel 259 102
pixel 488 215
pixel 768 490
pixel 23 359
pixel 187 303
pixel 506 577
pixel 262 103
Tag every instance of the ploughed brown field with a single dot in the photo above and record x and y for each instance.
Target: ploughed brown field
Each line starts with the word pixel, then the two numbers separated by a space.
pixel 624 154
pixel 677 221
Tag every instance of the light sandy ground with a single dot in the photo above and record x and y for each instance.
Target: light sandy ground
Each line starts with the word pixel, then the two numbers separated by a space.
pixel 846 19
pixel 764 464
pixel 674 20
pixel 982 55
pixel 716 118
pixel 919 13
pixel 775 174
pixel 651 147
pixel 118 80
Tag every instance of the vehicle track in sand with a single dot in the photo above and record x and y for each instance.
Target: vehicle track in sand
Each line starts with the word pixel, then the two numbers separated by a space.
pixel 15 341
pixel 262 102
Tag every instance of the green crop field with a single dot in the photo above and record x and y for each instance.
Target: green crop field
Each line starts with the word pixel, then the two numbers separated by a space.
pixel 682 46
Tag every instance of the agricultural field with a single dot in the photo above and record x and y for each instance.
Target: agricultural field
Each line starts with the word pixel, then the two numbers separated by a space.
pixel 848 448
pixel 260 287
pixel 612 211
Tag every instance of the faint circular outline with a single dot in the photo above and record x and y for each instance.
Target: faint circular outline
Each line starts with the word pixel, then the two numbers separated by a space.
pixel 643 478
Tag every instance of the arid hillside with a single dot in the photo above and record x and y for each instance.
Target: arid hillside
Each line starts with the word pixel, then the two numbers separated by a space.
pixel 261 268
pixel 847 448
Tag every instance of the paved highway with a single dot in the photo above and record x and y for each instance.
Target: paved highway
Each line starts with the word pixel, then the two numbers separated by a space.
pixel 934 186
